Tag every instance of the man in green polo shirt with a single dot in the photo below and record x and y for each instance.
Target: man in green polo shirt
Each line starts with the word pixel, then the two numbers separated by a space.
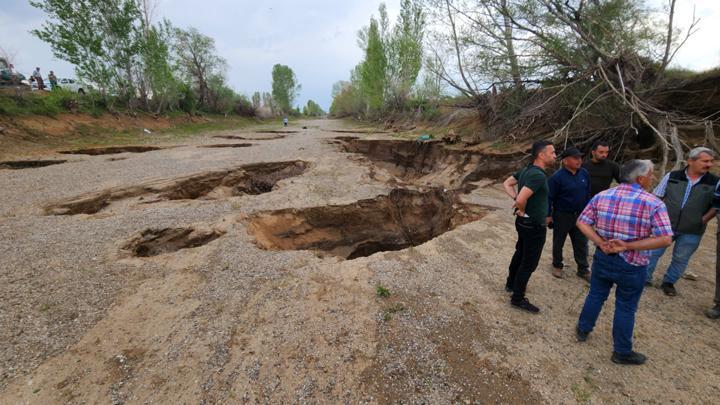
pixel 528 187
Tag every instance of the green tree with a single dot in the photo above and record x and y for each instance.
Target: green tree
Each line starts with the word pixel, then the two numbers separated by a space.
pixel 372 71
pixel 101 38
pixel 313 109
pixel 285 87
pixel 404 53
pixel 198 61
pixel 256 100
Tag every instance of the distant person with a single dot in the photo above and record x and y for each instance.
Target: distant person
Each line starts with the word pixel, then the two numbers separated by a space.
pixel 688 194
pixel 531 208
pixel 622 257
pixel 569 193
pixel 38 78
pixel 602 170
pixel 285 121
pixel 53 81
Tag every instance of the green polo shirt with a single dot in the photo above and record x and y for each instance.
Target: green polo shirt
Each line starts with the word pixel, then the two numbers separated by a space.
pixel 535 179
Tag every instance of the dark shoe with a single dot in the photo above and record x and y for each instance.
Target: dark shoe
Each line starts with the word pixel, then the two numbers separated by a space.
pixel 648 284
pixel 580 335
pixel 632 358
pixel 557 272
pixel 525 305
pixel 669 289
pixel 714 312
pixel 508 289
pixel 585 275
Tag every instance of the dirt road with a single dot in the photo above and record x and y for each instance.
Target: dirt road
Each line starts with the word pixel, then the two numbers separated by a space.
pixel 159 276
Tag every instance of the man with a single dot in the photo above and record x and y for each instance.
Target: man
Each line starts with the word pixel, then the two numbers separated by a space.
pixel 688 195
pixel 569 193
pixel 624 222
pixel 531 207
pixel 38 78
pixel 602 170
pixel 53 81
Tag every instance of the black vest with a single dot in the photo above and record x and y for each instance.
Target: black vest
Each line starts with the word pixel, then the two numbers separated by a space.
pixel 688 219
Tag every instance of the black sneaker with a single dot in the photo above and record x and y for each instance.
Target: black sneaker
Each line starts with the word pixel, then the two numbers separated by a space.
pixel 669 289
pixel 580 335
pixel 714 312
pixel 585 275
pixel 632 358
pixel 648 284
pixel 525 305
pixel 508 289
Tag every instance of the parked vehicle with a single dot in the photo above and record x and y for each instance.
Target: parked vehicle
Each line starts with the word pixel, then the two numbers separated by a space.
pixel 6 79
pixel 74 85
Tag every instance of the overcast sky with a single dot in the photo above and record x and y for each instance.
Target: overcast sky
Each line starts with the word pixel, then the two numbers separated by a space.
pixel 316 38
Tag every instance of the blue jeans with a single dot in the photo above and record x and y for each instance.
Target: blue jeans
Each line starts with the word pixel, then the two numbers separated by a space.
pixel 685 245
pixel 630 280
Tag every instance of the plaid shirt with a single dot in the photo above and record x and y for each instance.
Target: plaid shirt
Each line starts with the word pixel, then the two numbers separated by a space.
pixel 628 213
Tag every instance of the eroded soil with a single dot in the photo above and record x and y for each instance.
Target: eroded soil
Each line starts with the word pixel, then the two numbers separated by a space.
pixel 220 276
pixel 111 150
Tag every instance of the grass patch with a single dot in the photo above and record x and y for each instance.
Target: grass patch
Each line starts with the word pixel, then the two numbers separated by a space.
pixel 381 291
pixel 392 310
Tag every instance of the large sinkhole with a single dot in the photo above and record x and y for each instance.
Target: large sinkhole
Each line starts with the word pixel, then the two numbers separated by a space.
pixel 111 150
pixel 257 178
pixel 432 160
pixel 396 221
pixel 153 242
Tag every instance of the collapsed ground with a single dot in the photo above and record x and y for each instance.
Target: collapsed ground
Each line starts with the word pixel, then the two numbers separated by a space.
pixel 321 264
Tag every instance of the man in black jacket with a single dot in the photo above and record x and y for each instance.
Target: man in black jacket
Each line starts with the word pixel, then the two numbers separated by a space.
pixel 602 170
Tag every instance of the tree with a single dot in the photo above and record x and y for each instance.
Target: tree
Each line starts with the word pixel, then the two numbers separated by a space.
pixel 101 38
pixel 197 60
pixel 404 53
pixel 313 109
pixel 285 87
pixel 372 71
pixel 256 100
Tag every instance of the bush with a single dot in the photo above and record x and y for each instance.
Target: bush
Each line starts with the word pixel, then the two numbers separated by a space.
pixel 243 107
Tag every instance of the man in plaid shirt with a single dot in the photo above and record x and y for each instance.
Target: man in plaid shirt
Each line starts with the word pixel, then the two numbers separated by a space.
pixel 624 223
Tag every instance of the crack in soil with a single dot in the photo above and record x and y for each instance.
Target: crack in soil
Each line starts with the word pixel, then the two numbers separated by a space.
pixel 396 221
pixel 29 164
pixel 153 242
pixel 430 161
pixel 227 145
pixel 111 150
pixel 257 178
pixel 242 138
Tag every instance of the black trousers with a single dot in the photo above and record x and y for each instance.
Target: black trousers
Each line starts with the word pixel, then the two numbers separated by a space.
pixel 564 225
pixel 529 246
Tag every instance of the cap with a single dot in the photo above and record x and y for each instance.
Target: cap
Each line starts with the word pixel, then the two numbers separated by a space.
pixel 571 151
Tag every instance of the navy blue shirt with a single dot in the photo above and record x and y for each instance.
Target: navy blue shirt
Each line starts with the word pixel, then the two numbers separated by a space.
pixel 569 192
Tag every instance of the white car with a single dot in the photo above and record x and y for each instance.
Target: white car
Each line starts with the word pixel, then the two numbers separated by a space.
pixel 73 85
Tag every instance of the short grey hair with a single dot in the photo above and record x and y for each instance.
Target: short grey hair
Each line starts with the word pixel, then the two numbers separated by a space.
pixel 696 152
pixel 634 169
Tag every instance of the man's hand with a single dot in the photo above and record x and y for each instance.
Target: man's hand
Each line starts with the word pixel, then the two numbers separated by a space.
pixel 614 246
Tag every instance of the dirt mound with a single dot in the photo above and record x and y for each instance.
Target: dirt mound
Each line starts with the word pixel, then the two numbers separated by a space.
pixel 402 219
pixel 432 162
pixel 111 150
pixel 227 145
pixel 29 164
pixel 255 178
pixel 153 242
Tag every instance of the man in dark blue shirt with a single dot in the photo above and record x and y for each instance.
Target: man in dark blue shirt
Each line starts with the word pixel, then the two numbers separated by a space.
pixel 569 193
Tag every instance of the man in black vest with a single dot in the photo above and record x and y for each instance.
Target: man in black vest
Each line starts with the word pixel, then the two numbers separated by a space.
pixel 688 194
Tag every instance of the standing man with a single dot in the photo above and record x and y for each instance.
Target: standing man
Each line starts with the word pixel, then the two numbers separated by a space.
pixel 53 81
pixel 602 170
pixel 624 222
pixel 531 208
pixel 569 193
pixel 688 195
pixel 714 312
pixel 38 78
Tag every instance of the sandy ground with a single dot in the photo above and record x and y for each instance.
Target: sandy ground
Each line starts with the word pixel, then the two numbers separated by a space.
pixel 83 321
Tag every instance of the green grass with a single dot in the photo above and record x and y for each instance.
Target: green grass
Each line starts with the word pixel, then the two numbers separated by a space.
pixel 381 292
pixel 49 103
